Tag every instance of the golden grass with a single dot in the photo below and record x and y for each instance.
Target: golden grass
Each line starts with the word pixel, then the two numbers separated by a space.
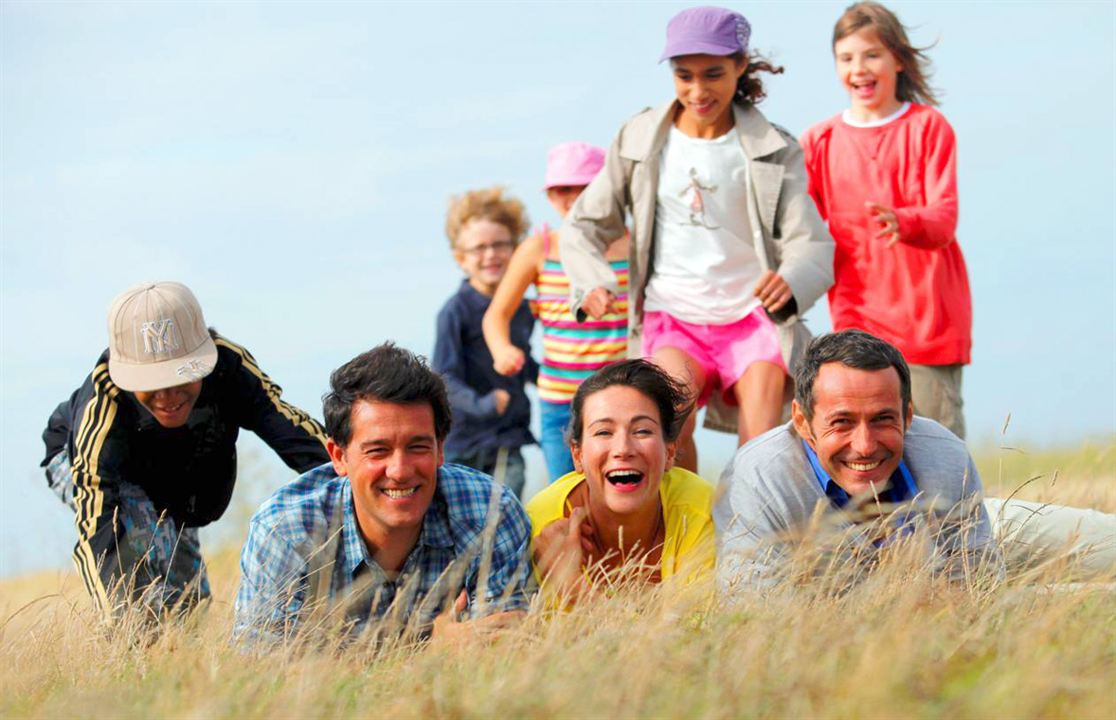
pixel 1084 476
pixel 900 644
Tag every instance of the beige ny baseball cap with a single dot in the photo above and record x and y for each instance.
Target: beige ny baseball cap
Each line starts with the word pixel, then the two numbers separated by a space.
pixel 158 338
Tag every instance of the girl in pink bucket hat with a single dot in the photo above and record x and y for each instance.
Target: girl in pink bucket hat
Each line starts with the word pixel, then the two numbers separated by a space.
pixel 572 351
pixel 727 251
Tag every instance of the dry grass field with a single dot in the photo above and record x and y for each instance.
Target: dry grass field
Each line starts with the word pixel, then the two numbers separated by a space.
pixel 898 645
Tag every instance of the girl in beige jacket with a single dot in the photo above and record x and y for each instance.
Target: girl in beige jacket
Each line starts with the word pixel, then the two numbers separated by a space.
pixel 727 248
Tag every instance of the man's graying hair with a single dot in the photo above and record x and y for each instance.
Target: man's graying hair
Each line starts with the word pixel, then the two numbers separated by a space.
pixel 389 374
pixel 852 348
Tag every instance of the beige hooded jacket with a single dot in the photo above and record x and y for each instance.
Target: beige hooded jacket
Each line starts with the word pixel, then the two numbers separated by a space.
pixel 789 235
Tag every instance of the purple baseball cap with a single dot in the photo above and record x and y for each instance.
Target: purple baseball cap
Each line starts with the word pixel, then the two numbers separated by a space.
pixel 706 31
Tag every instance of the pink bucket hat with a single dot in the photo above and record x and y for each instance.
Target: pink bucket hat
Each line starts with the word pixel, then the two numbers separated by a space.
pixel 573 164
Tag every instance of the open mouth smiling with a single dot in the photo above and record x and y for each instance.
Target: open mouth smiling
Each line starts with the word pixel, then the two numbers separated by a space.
pixel 864 87
pixel 625 477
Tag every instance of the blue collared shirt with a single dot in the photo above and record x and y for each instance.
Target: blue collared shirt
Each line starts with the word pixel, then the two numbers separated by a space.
pixel 901 486
pixel 306 561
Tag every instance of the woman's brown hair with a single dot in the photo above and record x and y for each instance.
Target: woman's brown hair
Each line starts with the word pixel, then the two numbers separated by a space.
pixel 912 84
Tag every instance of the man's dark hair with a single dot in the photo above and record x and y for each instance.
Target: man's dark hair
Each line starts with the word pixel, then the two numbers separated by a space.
pixel 852 348
pixel 386 373
pixel 648 378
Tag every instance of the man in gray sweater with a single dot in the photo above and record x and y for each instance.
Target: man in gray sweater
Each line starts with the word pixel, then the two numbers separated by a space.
pixel 853 471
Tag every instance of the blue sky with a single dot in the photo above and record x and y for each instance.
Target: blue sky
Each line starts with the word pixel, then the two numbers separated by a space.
pixel 291 162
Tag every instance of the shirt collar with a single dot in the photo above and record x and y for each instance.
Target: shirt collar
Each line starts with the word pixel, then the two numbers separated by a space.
pixel 902 485
pixel 435 529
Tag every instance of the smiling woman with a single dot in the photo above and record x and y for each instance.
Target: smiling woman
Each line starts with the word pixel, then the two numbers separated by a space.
pixel 625 509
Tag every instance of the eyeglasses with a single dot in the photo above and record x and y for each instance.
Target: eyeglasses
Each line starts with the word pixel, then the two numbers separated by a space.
pixel 499 247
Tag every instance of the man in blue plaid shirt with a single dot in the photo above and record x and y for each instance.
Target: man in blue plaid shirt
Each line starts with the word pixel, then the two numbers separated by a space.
pixel 385 537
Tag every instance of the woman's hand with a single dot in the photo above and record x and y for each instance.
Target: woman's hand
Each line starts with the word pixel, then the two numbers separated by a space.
pixel 560 551
pixel 508 360
pixel 598 303
pixel 886 222
pixel 773 291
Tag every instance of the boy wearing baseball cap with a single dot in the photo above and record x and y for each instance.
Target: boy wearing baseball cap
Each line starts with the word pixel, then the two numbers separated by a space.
pixel 145 450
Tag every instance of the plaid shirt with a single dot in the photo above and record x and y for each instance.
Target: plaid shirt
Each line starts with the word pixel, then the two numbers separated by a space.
pixel 305 563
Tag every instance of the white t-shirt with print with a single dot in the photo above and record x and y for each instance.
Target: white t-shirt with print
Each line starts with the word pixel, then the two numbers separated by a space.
pixel 705 267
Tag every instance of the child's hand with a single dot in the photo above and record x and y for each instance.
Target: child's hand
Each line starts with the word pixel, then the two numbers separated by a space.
pixel 502 399
pixel 508 361
pixel 773 291
pixel 598 303
pixel 885 220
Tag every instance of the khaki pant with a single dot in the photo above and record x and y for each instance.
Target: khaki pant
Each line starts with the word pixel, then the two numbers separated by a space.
pixel 936 392
pixel 1031 533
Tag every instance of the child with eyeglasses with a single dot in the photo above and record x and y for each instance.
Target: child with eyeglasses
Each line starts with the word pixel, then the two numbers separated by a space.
pixel 490 411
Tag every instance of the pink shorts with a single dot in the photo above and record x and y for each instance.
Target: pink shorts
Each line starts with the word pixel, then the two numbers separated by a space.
pixel 725 352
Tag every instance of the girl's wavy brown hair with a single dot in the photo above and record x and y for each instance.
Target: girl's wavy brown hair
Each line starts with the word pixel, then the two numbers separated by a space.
pixel 912 84
pixel 749 88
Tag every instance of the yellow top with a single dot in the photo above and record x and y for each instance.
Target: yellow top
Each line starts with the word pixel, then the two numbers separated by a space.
pixel 688 542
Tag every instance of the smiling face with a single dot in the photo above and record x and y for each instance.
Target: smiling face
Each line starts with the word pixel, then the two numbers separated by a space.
pixel 483 250
pixel 869 73
pixel 622 450
pixel 171 406
pixel 705 86
pixel 392 462
pixel 858 425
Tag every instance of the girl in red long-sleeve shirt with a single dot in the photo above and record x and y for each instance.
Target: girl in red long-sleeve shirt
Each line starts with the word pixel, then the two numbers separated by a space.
pixel 884 176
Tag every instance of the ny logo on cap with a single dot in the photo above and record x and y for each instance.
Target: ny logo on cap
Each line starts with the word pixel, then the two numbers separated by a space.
pixel 160 336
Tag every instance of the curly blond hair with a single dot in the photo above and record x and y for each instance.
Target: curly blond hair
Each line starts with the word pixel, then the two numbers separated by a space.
pixel 486 204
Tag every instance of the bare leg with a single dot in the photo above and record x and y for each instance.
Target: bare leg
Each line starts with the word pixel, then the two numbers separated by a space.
pixel 760 396
pixel 685 370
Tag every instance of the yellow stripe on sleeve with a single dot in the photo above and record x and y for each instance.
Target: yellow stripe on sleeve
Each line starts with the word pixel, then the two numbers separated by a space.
pixel 298 417
pixel 96 423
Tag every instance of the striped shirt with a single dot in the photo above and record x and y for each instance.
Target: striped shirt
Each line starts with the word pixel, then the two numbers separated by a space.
pixel 306 564
pixel 573 351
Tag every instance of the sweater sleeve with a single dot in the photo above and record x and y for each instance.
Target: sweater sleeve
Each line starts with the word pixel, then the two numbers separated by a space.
pixel 449 361
pixel 102 557
pixel 295 436
pixel 965 533
pixel 934 225
pixel 746 557
pixel 809 142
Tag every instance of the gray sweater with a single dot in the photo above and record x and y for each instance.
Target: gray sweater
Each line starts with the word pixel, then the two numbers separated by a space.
pixel 769 495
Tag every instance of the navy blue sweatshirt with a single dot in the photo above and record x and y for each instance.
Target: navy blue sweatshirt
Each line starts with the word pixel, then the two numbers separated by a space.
pixel 463 359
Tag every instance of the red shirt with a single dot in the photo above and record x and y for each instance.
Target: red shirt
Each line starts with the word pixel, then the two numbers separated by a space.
pixel 914 294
